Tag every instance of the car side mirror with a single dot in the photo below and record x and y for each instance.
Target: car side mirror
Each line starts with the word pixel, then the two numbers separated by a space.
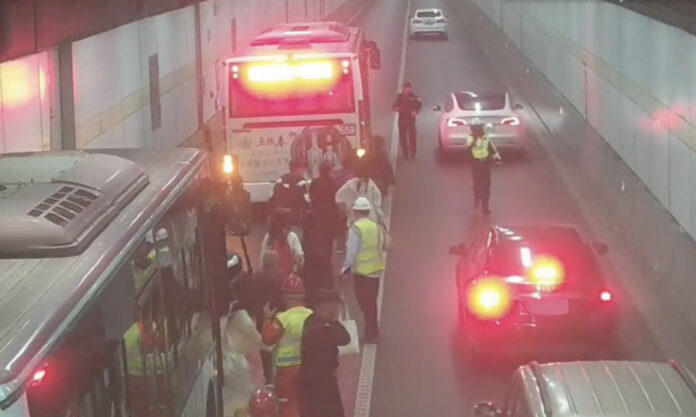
pixel 437 108
pixel 600 248
pixel 486 409
pixel 518 107
pixel 458 250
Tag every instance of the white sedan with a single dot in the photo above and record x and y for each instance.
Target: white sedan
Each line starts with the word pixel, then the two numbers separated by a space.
pixel 428 21
pixel 494 110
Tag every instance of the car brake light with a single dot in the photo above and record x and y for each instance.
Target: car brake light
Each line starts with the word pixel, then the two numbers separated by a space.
pixel 605 296
pixel 510 121
pixel 456 122
pixel 547 273
pixel 489 299
pixel 38 376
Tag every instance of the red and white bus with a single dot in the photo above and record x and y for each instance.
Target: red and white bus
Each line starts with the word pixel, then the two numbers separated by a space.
pixel 298 91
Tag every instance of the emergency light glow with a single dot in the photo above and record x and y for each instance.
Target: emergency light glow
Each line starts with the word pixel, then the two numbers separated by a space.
pixel 605 296
pixel 360 152
pixel 283 71
pixel 489 299
pixel 227 164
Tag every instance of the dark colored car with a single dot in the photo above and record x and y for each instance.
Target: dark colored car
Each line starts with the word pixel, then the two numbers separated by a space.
pixel 540 284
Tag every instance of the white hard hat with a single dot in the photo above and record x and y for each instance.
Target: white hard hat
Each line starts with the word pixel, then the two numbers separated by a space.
pixel 362 204
pixel 162 234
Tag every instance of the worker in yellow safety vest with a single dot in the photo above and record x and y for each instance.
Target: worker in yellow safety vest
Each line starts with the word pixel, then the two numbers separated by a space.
pixel 146 365
pixel 367 241
pixel 483 154
pixel 284 330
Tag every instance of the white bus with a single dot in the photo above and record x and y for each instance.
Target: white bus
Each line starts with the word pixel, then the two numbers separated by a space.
pixel 105 267
pixel 298 91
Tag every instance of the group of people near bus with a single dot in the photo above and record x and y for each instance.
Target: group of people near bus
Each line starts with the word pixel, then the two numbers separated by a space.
pixel 290 309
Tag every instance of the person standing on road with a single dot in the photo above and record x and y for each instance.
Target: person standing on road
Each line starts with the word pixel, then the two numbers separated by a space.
pixel 380 167
pixel 285 243
pixel 365 262
pixel 284 330
pixel 322 336
pixel 290 193
pixel 484 154
pixel 408 105
pixel 360 186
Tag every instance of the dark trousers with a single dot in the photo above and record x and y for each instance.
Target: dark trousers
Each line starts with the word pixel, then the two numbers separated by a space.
pixel 481 174
pixel 267 364
pixel 407 136
pixel 321 397
pixel 366 290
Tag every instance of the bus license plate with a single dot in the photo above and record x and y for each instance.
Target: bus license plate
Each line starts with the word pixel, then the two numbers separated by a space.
pixel 548 306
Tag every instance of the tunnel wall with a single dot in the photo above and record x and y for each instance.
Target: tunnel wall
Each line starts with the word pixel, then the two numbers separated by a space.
pixel 112 73
pixel 633 80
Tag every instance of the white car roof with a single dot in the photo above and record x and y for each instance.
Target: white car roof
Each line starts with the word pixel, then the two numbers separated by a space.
pixel 429 10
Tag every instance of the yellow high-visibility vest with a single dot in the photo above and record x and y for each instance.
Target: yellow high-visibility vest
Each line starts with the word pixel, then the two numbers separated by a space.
pixel 135 360
pixel 289 349
pixel 479 150
pixel 142 275
pixel 369 259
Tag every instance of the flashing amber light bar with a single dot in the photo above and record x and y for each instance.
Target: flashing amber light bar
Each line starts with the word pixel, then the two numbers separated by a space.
pixel 291 71
pixel 227 164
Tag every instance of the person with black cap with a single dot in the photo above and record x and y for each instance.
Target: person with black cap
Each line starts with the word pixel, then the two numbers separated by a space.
pixel 483 153
pixel 322 335
pixel 408 105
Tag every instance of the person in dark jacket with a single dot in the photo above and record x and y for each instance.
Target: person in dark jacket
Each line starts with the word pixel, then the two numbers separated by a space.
pixel 322 193
pixel 266 287
pixel 408 105
pixel 290 193
pixel 321 337
pixel 317 241
pixel 380 167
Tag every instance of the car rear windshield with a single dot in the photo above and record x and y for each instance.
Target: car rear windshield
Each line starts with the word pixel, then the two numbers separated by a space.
pixel 428 13
pixel 577 258
pixel 494 101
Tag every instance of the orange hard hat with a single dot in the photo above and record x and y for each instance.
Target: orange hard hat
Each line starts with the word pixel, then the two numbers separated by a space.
pixel 263 403
pixel 292 284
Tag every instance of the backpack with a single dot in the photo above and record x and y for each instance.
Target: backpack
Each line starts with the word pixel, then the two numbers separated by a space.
pixel 286 259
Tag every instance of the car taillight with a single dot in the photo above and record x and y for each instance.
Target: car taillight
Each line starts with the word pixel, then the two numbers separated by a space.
pixel 605 296
pixel 547 273
pixel 417 21
pixel 489 298
pixel 38 376
pixel 456 122
pixel 510 121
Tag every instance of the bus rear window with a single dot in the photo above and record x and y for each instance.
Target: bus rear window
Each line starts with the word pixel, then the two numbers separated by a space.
pixel 268 90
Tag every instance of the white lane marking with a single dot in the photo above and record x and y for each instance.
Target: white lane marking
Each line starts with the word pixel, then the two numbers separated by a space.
pixel 358 12
pixel 363 397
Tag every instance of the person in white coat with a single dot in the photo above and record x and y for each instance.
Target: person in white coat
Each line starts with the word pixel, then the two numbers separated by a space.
pixel 360 186
pixel 241 338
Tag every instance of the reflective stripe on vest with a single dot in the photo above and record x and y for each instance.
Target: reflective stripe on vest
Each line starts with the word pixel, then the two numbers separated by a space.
pixel 479 150
pixel 369 259
pixel 288 351
pixel 135 360
pixel 142 275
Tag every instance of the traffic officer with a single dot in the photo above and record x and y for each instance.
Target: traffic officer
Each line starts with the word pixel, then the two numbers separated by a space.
pixel 367 242
pixel 284 330
pixel 408 105
pixel 483 153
